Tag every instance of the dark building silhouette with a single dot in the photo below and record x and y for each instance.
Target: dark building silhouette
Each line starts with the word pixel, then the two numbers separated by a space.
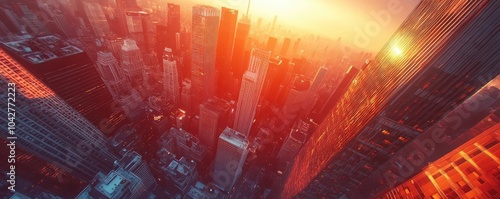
pixel 225 41
pixel 68 71
pixel 271 44
pixel 285 47
pixel 322 109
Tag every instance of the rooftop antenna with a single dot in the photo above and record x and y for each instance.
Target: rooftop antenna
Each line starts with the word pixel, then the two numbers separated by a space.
pixel 248 8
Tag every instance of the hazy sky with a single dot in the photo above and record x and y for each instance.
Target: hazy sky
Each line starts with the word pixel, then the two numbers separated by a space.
pixel 348 19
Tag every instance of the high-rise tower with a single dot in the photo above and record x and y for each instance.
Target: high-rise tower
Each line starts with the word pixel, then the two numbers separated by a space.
pixel 203 46
pixel 68 71
pixel 171 77
pixel 227 30
pixel 174 24
pixel 97 19
pixel 47 127
pixel 132 62
pixel 112 75
pixel 232 151
pixel 251 88
pixel 240 41
pixel 433 58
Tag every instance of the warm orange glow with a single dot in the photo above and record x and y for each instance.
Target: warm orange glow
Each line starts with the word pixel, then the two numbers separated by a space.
pixel 487 152
pixel 327 19
pixel 26 84
pixel 462 173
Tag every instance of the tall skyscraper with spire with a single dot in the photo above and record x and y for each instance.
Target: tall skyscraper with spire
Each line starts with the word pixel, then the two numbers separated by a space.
pixel 47 127
pixel 251 88
pixel 170 77
pixel 238 55
pixel 205 30
pixel 428 66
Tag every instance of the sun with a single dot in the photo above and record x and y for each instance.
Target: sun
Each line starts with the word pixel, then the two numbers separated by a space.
pixel 397 51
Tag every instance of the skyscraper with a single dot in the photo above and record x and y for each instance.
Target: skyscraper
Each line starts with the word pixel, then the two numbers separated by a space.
pixel 293 142
pixel 173 26
pixel 32 170
pixel 232 151
pixel 10 21
pixel 225 42
pixel 140 29
pixel 62 136
pixel 276 73
pixel 171 77
pixel 430 53
pixel 96 17
pixel 203 45
pixel 455 156
pixel 322 109
pixel 247 103
pixel 285 47
pixel 67 71
pixel 240 41
pixel 112 75
pixel 310 99
pixel 271 44
pixel 132 62
pixel 295 98
pixel 214 116
pixel 186 96
pixel 161 39
pixel 122 6
pixel 251 88
pixel 273 27
pixel 471 170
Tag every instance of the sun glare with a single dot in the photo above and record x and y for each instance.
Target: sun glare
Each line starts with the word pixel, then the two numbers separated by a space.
pixel 397 51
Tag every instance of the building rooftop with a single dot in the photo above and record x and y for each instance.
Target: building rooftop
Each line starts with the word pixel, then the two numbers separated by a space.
pixel 137 13
pixel 301 83
pixel 129 44
pixel 201 191
pixel 113 185
pixel 217 105
pixel 105 57
pixel 234 137
pixel 122 134
pixel 206 11
pixel 41 49
pixel 181 168
pixel 191 141
pixel 130 161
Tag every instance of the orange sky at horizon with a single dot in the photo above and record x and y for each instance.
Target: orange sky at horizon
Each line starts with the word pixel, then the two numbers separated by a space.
pixel 348 19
